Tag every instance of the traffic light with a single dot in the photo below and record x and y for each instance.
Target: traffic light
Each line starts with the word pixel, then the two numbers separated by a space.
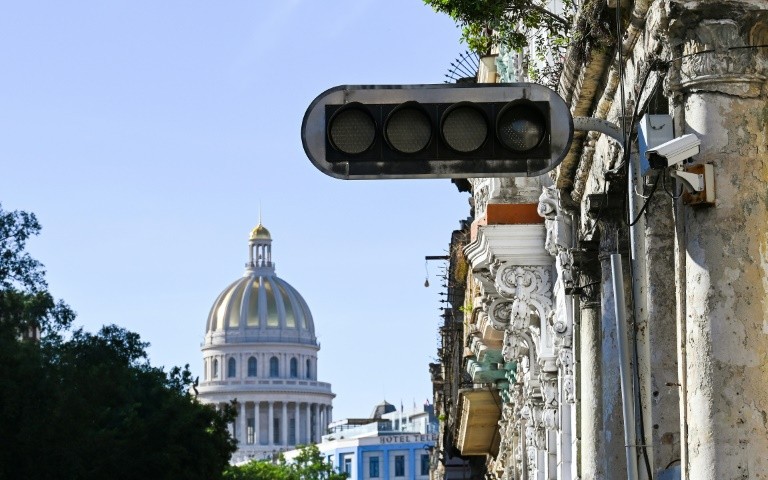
pixel 437 131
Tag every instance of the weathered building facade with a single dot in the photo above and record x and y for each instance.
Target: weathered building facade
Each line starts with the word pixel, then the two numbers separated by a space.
pixel 594 273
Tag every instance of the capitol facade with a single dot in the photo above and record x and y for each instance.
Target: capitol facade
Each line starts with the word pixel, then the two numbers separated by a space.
pixel 260 349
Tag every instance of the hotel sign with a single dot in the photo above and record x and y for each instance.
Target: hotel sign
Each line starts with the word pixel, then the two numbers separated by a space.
pixel 409 438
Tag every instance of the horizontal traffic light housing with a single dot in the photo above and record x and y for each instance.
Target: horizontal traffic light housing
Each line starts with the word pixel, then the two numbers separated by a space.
pixel 437 131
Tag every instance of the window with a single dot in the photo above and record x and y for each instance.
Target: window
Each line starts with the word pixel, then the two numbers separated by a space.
pixel 348 465
pixel 252 367
pixel 425 464
pixel 215 369
pixel 250 431
pixel 274 367
pixel 276 430
pixel 373 467
pixel 399 465
pixel 292 431
pixel 231 368
pixel 294 368
pixel 309 369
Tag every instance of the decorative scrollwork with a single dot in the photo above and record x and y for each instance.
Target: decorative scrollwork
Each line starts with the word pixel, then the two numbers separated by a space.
pixel 529 285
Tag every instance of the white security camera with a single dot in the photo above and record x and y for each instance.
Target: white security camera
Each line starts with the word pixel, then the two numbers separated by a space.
pixel 674 151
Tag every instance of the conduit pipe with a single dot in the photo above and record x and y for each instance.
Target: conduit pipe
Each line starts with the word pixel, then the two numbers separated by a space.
pixel 627 397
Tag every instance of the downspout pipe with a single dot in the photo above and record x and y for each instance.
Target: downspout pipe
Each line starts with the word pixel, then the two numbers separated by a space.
pixel 627 397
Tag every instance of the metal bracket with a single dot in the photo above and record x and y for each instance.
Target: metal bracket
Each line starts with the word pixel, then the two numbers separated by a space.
pixel 699 181
pixel 587 124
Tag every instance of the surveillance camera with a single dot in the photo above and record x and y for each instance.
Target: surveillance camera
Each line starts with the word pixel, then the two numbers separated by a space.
pixel 674 151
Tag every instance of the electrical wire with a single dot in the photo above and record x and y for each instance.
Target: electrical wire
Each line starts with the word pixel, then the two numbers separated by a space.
pixel 626 135
pixel 603 202
pixel 636 360
pixel 664 185
pixel 713 50
pixel 644 207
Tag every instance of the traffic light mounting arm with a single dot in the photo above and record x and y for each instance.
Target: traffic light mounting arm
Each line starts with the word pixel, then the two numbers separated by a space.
pixel 587 124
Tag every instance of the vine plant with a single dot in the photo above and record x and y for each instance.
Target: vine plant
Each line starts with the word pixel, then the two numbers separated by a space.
pixel 512 25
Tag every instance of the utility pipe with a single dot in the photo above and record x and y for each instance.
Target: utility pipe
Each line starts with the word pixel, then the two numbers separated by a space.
pixel 627 398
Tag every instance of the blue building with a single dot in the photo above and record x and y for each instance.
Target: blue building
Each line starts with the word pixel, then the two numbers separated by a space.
pixel 390 445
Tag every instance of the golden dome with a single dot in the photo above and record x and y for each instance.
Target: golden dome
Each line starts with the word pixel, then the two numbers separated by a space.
pixel 260 232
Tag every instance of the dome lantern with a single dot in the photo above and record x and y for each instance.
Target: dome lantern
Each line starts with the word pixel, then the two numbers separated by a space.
pixel 260 248
pixel 260 305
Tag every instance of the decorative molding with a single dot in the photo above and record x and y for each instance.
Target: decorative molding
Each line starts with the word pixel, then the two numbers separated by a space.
pixel 529 287
pixel 565 362
pixel 711 63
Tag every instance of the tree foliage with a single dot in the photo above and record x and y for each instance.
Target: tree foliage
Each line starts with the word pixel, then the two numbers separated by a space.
pixel 308 465
pixel 509 23
pixel 90 406
pixel 25 302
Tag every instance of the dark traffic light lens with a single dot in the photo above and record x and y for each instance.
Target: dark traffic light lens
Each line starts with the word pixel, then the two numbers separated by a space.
pixel 408 129
pixel 352 130
pixel 464 128
pixel 521 127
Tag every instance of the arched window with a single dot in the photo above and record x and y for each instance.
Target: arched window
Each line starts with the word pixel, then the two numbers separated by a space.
pixel 274 367
pixel 215 368
pixel 252 367
pixel 231 368
pixel 294 368
pixel 309 369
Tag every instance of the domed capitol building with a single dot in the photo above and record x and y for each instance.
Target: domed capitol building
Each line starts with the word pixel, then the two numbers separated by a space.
pixel 260 348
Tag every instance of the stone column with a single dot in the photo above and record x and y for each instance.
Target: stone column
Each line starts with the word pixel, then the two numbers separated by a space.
pixel 271 423
pixel 256 426
pixel 309 423
pixel 296 430
pixel 314 420
pixel 592 441
pixel 656 336
pixel 242 434
pixel 284 433
pixel 321 421
pixel 726 269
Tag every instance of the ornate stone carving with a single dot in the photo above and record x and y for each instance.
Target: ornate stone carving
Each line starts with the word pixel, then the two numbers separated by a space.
pixel 565 362
pixel 548 203
pixel 550 419
pixel 514 346
pixel 560 327
pixel 711 63
pixel 549 389
pixel 529 285
pixel 481 199
pixel 558 226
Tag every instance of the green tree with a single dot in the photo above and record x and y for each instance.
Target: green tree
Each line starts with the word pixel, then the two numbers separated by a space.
pixel 25 302
pixel 76 405
pixel 488 23
pixel 309 464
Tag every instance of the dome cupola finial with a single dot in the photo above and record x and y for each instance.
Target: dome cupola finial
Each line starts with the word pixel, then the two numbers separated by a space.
pixel 260 248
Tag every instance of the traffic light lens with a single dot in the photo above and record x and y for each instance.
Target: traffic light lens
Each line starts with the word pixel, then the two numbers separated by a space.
pixel 352 131
pixel 521 127
pixel 464 128
pixel 408 129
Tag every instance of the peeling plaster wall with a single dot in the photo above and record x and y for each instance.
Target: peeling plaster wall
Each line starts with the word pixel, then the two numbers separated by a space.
pixel 704 404
pixel 727 298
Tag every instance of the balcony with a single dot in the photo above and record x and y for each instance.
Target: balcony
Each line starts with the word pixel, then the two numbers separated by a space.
pixel 480 411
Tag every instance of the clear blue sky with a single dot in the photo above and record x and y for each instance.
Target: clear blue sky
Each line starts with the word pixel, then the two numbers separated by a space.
pixel 145 135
